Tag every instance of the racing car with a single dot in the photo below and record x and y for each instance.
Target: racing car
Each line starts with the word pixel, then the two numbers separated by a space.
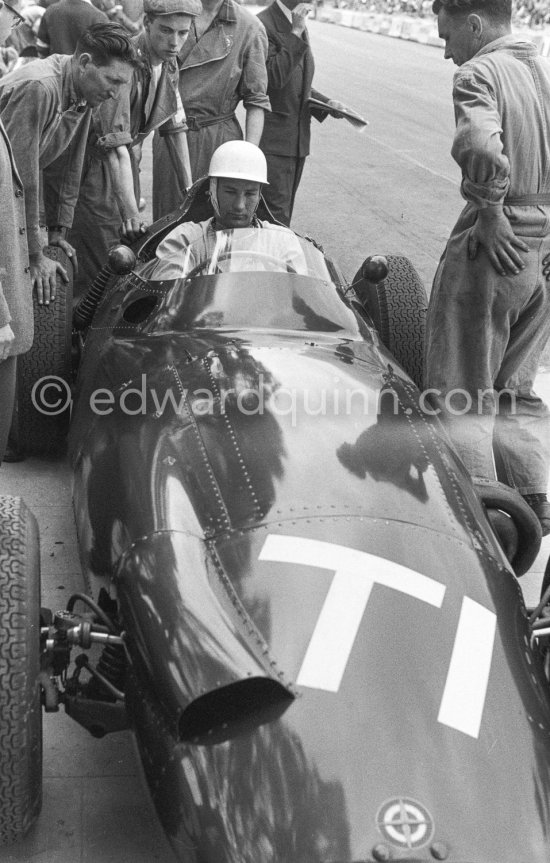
pixel 295 595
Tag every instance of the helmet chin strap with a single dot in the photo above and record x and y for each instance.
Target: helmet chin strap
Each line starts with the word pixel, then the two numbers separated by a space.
pixel 214 196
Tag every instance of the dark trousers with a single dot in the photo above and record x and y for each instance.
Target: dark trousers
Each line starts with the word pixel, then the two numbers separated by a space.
pixel 7 398
pixel 283 174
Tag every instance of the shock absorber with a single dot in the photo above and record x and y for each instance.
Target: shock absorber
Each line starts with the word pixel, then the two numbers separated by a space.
pixel 120 262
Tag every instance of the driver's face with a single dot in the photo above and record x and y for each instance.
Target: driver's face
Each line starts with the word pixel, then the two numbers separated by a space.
pixel 237 202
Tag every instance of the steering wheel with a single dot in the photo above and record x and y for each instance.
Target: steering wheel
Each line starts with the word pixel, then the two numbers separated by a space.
pixel 242 253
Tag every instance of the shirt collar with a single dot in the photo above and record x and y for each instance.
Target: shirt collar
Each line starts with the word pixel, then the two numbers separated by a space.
pixel 212 229
pixel 226 12
pixel 71 99
pixel 509 41
pixel 142 47
pixel 285 10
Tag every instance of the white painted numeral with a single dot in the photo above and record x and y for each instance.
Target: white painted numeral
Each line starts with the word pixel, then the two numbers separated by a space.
pixel 468 676
pixel 355 573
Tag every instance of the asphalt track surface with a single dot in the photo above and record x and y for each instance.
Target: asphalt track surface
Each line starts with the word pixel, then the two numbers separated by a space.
pixel 390 189
pixel 394 187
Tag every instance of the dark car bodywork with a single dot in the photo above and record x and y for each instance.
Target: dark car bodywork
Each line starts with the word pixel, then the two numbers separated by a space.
pixel 328 655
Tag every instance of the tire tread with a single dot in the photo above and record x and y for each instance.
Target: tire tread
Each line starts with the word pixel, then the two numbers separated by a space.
pixel 20 708
pixel 36 433
pixel 402 305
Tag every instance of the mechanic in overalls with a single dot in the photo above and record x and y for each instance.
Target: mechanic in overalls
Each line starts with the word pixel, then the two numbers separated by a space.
pixel 222 63
pixel 489 311
pixel 109 195
pixel 46 109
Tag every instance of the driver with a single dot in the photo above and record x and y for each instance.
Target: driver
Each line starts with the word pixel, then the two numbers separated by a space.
pixel 238 169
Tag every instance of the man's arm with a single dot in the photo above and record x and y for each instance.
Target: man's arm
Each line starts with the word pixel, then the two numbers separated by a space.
pixel 253 84
pixel 111 124
pixel 120 169
pixel 478 150
pixel 25 111
pixel 285 52
pixel 65 173
pixel 61 186
pixel 254 124
pixel 174 132
pixel 178 150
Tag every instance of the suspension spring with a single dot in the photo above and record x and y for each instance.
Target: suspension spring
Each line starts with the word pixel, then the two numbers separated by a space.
pixel 85 309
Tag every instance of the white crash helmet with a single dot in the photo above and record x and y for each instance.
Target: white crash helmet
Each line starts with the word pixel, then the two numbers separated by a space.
pixel 239 160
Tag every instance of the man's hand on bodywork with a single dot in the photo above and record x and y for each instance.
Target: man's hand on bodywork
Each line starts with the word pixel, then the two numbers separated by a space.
pixel 493 231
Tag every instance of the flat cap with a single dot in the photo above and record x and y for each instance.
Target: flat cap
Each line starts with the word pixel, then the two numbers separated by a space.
pixel 172 7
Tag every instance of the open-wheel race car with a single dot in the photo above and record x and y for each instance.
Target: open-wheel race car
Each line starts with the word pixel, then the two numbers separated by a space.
pixel 297 598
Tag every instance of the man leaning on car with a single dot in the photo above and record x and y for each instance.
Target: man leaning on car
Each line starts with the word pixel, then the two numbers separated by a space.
pixel 46 107
pixel 489 311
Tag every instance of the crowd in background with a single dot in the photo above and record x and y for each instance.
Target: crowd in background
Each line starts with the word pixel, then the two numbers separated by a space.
pixel 25 44
pixel 526 13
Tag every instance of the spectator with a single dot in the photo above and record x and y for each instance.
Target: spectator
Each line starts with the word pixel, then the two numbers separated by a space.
pixel 16 318
pixel 46 107
pixel 63 23
pixel 221 64
pixel 286 134
pixel 489 311
pixel 133 9
pixel 108 199
pixel 27 55
pixel 25 34
pixel 115 12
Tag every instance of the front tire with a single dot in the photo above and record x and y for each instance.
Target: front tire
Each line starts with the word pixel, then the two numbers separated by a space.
pixel 36 431
pixel 397 306
pixel 20 702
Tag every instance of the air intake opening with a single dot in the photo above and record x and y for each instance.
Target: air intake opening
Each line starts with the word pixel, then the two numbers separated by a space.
pixel 138 311
pixel 232 710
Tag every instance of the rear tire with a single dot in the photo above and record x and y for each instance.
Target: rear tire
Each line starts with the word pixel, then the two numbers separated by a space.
pixel 397 306
pixel 33 431
pixel 20 701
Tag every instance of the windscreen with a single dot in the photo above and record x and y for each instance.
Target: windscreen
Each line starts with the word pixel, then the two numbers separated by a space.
pixel 193 249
